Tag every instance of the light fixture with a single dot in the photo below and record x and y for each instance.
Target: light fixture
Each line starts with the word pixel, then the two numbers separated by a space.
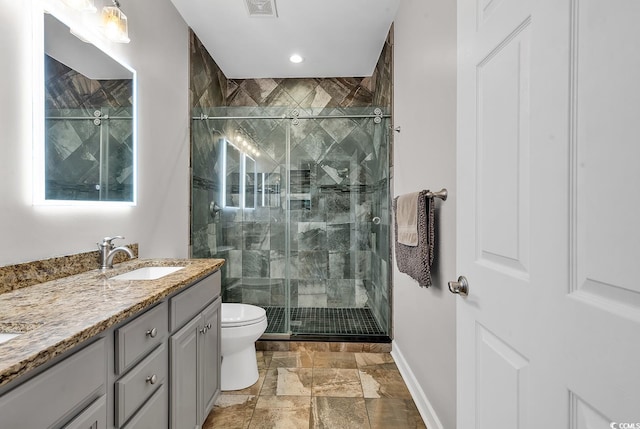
pixel 244 143
pixel 115 23
pixel 81 5
pixel 295 58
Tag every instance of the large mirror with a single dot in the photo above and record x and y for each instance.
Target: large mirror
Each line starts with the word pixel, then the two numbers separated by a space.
pixel 89 133
pixel 232 158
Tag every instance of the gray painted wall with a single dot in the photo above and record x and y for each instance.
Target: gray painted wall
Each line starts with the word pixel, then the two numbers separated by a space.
pixel 425 158
pixel 160 222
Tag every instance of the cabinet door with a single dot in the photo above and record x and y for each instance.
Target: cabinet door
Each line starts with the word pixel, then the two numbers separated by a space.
pixel 184 376
pixel 154 413
pixel 58 393
pixel 209 356
pixel 135 388
pixel 94 417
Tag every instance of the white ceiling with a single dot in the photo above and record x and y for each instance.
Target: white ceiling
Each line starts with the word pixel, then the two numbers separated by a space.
pixel 336 38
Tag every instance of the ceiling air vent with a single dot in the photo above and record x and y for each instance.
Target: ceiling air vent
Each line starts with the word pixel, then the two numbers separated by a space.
pixel 262 8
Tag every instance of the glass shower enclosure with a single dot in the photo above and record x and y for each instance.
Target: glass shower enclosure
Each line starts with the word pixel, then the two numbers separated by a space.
pixel 297 203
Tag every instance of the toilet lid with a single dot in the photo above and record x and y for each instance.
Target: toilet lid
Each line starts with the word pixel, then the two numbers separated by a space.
pixel 241 314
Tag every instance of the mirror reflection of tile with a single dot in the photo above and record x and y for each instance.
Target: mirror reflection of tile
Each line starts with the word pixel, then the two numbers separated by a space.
pixel 89 121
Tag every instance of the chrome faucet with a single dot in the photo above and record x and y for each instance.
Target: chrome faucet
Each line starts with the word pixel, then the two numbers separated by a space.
pixel 108 251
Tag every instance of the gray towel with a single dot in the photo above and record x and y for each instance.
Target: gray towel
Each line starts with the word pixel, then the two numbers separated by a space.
pixel 416 261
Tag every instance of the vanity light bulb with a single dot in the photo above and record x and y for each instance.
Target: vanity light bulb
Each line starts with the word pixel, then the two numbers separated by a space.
pixel 115 24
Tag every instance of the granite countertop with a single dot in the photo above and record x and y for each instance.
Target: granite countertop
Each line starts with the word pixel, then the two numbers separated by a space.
pixel 57 315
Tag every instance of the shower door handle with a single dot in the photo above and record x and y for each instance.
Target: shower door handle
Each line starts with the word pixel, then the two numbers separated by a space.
pixel 376 220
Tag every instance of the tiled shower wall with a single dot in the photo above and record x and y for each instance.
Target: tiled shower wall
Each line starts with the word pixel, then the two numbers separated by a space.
pixel 73 146
pixel 339 258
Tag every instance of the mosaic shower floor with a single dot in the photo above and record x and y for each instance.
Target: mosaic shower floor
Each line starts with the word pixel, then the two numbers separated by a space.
pixel 324 321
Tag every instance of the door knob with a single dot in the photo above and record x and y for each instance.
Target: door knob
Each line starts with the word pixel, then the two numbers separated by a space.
pixel 461 287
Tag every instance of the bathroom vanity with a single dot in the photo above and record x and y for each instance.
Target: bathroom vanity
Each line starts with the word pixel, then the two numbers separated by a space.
pixel 98 352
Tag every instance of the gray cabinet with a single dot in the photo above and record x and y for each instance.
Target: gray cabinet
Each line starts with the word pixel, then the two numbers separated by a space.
pixel 132 390
pixel 139 336
pixel 91 418
pixel 153 415
pixel 135 375
pixel 210 359
pixel 184 376
pixel 60 394
pixel 141 360
pixel 195 368
pixel 195 353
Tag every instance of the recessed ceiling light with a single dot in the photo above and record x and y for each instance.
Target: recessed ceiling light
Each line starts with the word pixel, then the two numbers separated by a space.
pixel 295 58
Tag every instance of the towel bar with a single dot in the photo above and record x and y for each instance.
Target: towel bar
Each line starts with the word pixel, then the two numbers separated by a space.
pixel 442 194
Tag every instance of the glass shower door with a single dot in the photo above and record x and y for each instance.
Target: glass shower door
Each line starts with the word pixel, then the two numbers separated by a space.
pixel 298 207
pixel 338 184
pixel 238 206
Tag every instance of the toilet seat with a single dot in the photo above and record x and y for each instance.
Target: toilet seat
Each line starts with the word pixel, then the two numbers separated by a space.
pixel 234 315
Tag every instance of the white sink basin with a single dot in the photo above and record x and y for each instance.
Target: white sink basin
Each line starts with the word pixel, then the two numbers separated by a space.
pixel 147 273
pixel 4 337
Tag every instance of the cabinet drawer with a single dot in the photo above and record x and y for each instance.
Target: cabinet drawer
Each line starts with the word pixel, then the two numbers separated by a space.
pixel 58 393
pixel 136 387
pixel 154 414
pixel 185 305
pixel 94 417
pixel 135 339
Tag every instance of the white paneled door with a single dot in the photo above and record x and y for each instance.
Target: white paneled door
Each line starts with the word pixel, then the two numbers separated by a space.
pixel 549 214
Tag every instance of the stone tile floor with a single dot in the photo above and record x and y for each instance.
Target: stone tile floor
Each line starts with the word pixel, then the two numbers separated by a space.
pixel 319 389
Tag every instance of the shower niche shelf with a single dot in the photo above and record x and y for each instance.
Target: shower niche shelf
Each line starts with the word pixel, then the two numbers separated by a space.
pixel 300 189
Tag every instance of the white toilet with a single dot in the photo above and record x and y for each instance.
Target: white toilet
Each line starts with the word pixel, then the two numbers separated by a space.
pixel 242 325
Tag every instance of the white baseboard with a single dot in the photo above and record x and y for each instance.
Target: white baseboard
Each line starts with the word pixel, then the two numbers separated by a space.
pixel 422 402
